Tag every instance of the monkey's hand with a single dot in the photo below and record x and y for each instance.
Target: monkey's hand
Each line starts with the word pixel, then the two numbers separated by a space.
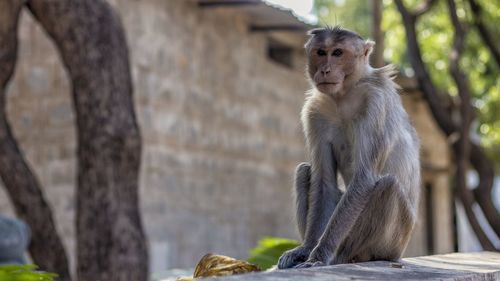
pixel 310 263
pixel 317 257
pixel 293 257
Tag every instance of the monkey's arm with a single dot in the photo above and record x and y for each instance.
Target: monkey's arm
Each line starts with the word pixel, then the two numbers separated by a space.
pixel 322 195
pixel 324 192
pixel 369 147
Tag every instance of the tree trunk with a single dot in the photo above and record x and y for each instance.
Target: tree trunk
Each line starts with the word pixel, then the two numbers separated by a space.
pixel 484 191
pixel 23 188
pixel 378 34
pixel 481 163
pixel 444 120
pixel 90 38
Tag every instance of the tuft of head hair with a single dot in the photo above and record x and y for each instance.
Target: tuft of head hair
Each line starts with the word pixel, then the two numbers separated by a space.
pixel 337 32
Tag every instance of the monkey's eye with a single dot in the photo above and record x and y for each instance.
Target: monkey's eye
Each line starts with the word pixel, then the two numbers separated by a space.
pixel 337 52
pixel 321 53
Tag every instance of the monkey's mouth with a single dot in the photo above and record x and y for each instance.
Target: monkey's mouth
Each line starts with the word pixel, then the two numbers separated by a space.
pixel 326 83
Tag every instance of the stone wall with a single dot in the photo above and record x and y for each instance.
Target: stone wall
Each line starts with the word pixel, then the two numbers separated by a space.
pixel 433 233
pixel 219 121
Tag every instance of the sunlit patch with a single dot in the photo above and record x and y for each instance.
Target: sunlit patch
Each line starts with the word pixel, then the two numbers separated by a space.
pixel 440 65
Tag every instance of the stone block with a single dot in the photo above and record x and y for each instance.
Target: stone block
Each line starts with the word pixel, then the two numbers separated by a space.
pixel 483 266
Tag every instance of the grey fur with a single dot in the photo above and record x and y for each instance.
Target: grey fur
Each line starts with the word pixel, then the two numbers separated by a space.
pixel 337 33
pixel 365 137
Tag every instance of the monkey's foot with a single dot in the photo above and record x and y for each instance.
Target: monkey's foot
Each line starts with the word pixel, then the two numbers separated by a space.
pixel 293 257
pixel 310 263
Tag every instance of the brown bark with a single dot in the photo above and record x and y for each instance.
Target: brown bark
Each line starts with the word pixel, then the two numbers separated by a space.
pixel 424 7
pixel 462 147
pixel 90 38
pixel 378 35
pixel 483 193
pixel 445 122
pixel 431 94
pixel 481 163
pixel 24 190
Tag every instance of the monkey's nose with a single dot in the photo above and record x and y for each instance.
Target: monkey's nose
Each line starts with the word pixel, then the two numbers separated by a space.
pixel 325 71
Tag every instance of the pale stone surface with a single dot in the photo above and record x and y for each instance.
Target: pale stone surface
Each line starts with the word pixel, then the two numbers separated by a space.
pixel 453 267
pixel 220 127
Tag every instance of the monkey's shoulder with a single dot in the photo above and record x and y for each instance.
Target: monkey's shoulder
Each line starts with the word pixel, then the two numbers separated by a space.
pixel 380 80
pixel 319 107
pixel 385 73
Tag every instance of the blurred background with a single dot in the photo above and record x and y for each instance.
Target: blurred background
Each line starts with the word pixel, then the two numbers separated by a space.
pixel 217 91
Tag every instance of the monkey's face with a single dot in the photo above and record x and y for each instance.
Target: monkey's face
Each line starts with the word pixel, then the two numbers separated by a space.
pixel 335 63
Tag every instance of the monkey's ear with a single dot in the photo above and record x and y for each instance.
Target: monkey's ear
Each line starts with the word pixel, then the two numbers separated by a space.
pixel 368 47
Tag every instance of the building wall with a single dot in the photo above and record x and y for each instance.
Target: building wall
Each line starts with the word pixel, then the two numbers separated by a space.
pixel 219 121
pixel 433 233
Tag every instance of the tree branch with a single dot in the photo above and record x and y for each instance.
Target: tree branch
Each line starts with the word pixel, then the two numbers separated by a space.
pixel 90 38
pixel 424 8
pixel 430 93
pixel 488 40
pixel 23 187
pixel 445 122
pixel 483 191
pixel 377 58
pixel 462 147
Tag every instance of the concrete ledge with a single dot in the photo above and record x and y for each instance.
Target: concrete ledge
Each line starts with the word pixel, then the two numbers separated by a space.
pixel 484 266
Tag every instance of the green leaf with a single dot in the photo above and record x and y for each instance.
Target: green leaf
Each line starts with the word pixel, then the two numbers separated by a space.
pixel 24 273
pixel 269 249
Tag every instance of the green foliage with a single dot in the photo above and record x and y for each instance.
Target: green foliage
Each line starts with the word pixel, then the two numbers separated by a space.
pixel 268 251
pixel 435 36
pixel 352 14
pixel 24 273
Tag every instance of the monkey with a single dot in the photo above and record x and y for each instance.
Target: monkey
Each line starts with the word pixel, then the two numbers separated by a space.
pixel 357 132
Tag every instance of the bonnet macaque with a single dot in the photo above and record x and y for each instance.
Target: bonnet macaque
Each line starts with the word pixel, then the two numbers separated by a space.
pixel 356 129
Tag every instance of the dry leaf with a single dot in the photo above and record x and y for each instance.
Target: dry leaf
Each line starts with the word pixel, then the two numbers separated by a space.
pixel 212 265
